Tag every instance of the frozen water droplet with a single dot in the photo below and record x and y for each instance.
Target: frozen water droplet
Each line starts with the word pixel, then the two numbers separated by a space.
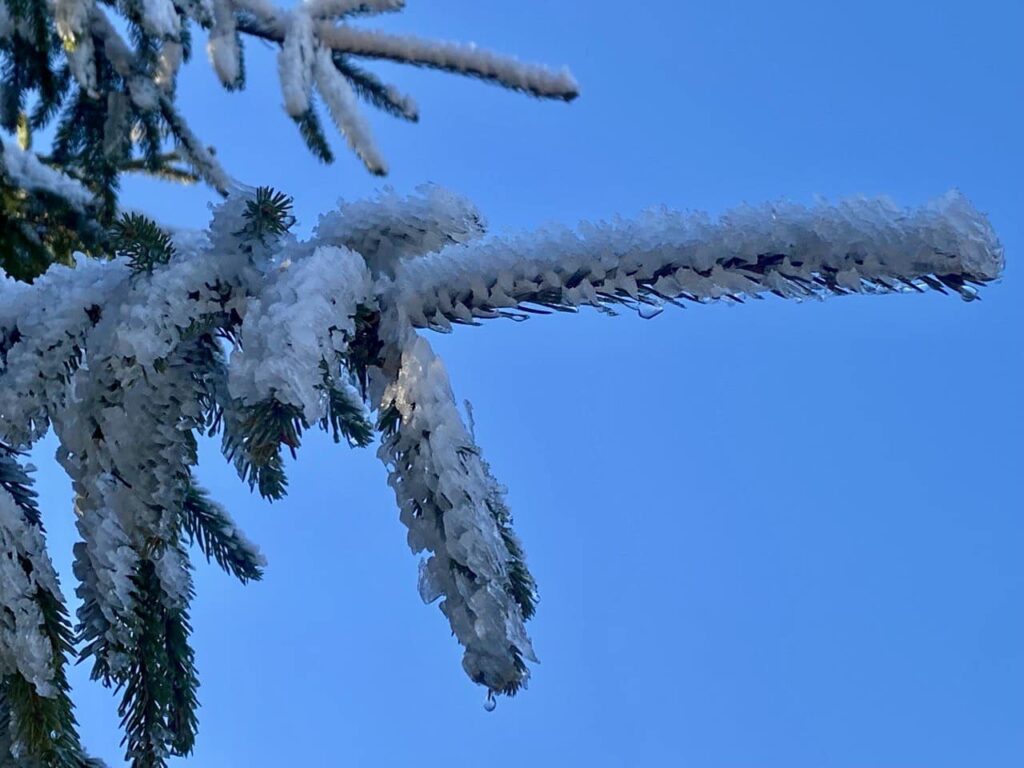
pixel 490 702
pixel 647 311
pixel 53 735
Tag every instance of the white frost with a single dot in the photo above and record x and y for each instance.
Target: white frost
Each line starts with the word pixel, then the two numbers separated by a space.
pixel 26 171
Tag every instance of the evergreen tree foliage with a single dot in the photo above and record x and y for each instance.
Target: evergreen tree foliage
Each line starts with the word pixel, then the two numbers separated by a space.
pixel 252 334
pixel 106 100
pixel 247 333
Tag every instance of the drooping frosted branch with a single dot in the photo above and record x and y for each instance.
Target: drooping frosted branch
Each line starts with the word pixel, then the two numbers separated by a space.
pixel 857 246
pixel 25 569
pixel 453 510
pixel 36 714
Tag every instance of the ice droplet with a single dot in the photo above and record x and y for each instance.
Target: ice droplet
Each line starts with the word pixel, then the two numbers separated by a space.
pixel 53 735
pixel 647 311
pixel 490 702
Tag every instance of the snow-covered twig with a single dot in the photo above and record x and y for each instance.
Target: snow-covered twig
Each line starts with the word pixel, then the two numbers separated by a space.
pixel 26 171
pixel 856 246
pixel 452 57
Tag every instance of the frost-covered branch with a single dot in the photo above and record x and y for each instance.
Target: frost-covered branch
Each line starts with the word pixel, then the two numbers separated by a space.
pixel 317 39
pixel 36 713
pixel 454 510
pixel 857 246
pixel 247 332
pixel 26 171
pixel 469 60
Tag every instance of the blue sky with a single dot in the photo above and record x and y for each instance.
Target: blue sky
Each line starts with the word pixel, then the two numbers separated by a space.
pixel 775 535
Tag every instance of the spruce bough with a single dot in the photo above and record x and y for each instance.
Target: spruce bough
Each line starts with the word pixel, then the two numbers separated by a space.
pixel 130 341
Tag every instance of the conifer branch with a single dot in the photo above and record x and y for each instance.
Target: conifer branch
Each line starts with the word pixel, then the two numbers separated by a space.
pixel 208 524
pixel 36 715
pixel 142 241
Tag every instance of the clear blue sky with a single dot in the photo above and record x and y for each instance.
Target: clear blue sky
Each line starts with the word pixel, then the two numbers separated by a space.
pixel 781 535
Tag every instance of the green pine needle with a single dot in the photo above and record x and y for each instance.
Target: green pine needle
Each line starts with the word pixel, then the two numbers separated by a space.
pixel 267 214
pixel 205 523
pixel 312 133
pixel 252 442
pixel 143 241
pixel 158 705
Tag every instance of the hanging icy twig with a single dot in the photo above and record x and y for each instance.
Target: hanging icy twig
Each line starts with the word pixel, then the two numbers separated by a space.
pixel 446 499
pixel 160 18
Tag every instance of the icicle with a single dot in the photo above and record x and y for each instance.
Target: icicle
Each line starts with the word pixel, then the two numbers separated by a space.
pixel 343 106
pixel 295 63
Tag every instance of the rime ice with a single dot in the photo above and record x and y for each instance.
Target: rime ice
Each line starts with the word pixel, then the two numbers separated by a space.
pixel 123 367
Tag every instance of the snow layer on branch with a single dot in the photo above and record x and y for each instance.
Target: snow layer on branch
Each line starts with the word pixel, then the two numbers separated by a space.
pixel 160 18
pixel 23 646
pixel 151 313
pixel 327 9
pixel 301 319
pixel 859 245
pixel 391 227
pixel 443 490
pixel 72 18
pixel 295 63
pixel 26 171
pixel 222 46
pixel 453 57
pixel 343 105
pixel 129 451
pixel 43 328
